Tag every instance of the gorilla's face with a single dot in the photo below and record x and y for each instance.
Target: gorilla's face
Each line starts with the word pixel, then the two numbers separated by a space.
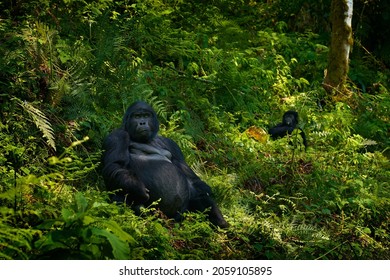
pixel 141 122
pixel 141 126
pixel 290 119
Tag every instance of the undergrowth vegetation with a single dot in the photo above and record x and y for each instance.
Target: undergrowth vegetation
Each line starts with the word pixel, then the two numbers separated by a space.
pixel 218 74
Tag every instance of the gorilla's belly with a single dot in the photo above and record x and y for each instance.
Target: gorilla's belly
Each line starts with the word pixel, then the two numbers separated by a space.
pixel 165 182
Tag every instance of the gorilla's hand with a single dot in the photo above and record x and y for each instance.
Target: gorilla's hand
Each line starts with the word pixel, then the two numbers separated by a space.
pixel 139 191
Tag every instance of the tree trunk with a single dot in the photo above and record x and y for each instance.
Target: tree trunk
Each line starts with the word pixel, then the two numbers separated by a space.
pixel 341 42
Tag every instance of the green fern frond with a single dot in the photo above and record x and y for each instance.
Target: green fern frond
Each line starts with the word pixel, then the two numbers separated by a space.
pixel 14 241
pixel 309 233
pixel 41 121
pixel 158 105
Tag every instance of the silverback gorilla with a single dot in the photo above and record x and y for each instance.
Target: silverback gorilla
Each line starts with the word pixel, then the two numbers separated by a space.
pixel 143 167
pixel 288 124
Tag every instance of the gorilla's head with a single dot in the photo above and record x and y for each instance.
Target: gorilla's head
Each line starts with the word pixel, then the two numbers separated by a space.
pixel 140 121
pixel 290 118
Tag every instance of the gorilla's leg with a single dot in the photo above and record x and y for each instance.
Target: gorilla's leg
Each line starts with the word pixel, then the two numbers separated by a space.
pixel 201 201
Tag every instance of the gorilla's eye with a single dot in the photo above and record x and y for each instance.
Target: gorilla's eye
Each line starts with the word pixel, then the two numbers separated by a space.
pixel 144 115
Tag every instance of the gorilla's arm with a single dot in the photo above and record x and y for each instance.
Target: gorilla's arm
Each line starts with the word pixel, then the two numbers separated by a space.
pixel 115 171
pixel 280 131
pixel 303 135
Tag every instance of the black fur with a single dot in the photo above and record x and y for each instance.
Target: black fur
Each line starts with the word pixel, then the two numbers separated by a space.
pixel 286 127
pixel 143 167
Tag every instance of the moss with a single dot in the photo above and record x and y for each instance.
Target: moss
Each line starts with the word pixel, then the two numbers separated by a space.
pixel 337 60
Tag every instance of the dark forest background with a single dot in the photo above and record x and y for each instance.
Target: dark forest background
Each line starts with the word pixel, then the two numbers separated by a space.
pixel 219 74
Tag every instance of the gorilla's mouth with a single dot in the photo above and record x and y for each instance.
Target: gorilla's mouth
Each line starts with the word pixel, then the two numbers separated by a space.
pixel 143 135
pixel 144 131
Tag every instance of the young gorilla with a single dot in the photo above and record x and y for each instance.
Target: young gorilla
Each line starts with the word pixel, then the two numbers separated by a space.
pixel 286 127
pixel 144 167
